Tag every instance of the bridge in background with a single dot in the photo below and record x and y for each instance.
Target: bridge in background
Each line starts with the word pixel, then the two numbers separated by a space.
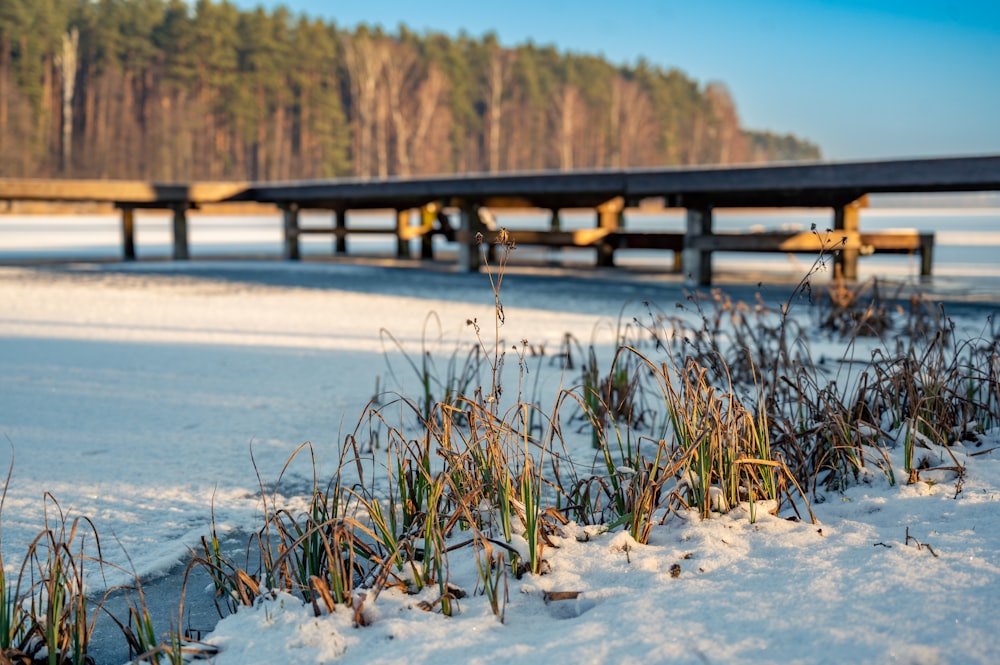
pixel 841 186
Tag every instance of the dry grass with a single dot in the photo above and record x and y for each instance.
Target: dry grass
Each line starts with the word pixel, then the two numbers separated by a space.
pixel 46 615
pixel 718 406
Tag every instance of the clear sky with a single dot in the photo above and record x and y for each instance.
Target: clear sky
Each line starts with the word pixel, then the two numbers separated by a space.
pixel 864 80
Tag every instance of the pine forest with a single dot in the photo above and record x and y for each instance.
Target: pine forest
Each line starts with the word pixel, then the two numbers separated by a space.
pixel 169 90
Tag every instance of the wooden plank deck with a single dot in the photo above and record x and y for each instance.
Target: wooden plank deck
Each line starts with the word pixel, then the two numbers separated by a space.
pixel 124 192
pixel 841 186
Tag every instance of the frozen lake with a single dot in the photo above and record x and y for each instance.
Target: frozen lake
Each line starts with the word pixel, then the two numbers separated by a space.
pixel 135 393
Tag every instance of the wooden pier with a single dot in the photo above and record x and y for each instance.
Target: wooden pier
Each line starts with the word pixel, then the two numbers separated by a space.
pixel 842 186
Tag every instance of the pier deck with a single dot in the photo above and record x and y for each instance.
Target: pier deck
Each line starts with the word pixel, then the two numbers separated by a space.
pixel 841 186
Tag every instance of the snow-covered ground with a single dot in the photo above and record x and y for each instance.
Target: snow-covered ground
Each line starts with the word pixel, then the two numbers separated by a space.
pixel 136 395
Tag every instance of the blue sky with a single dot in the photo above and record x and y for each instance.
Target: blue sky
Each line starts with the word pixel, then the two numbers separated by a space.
pixel 864 80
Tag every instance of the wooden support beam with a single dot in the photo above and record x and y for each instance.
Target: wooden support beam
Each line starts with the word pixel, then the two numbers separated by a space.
pixel 507 202
pixel 340 239
pixel 290 215
pixel 354 231
pixel 891 242
pixel 180 226
pixel 128 233
pixel 898 242
pixel 409 232
pixel 446 228
pixel 428 215
pixel 579 238
pixel 555 226
pixel 609 215
pixel 668 240
pixel 802 241
pixel 926 254
pixel 696 261
pixel 470 238
pixel 847 219
pixel 403 234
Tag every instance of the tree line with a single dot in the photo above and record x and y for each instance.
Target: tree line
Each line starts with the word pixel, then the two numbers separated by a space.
pixel 166 90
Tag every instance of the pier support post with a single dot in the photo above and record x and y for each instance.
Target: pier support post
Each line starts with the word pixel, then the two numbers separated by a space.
pixel 697 262
pixel 926 254
pixel 181 252
pixel 340 239
pixel 847 218
pixel 444 223
pixel 128 233
pixel 555 224
pixel 290 214
pixel 428 215
pixel 402 234
pixel 470 238
pixel 609 215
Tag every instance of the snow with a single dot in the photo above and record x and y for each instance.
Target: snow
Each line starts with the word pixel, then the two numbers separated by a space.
pixel 846 590
pixel 149 397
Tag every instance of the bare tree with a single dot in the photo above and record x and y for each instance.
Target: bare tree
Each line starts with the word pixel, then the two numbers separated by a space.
pixel 429 96
pixel 730 145
pixel 364 59
pixel 413 89
pixel 633 125
pixel 66 62
pixel 569 109
pixel 496 81
pixel 400 70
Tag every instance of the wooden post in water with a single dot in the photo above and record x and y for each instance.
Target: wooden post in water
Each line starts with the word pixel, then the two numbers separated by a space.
pixel 609 215
pixel 926 254
pixel 402 234
pixel 340 238
pixel 555 224
pixel 290 215
pixel 128 233
pixel 444 223
pixel 181 252
pixel 428 214
pixel 847 218
pixel 470 230
pixel 697 262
